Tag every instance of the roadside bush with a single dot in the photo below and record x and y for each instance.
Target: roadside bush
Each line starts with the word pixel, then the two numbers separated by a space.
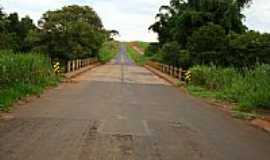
pixel 246 50
pixel 213 78
pixel 170 54
pixel 249 88
pixel 108 51
pixel 207 45
pixel 136 57
pixel 22 75
pixel 69 33
pixel 152 49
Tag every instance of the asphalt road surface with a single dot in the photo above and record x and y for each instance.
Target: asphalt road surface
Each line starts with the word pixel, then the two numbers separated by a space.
pixel 121 111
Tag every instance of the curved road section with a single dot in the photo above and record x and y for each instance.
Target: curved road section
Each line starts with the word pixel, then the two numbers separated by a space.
pixel 121 111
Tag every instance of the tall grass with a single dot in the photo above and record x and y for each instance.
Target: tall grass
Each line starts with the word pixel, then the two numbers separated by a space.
pixel 22 75
pixel 135 56
pixel 108 51
pixel 249 88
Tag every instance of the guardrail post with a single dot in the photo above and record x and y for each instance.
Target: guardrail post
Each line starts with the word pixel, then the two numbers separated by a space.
pixel 180 74
pixel 73 65
pixel 175 72
pixel 68 66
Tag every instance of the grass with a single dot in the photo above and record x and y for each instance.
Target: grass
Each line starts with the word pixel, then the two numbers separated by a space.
pixel 249 89
pixel 108 51
pixel 23 75
pixel 142 45
pixel 136 57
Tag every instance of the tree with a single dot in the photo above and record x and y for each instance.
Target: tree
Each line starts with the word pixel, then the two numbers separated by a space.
pixel 245 50
pixel 112 34
pixel 71 32
pixel 192 27
pixel 14 32
pixel 208 44
pixel 177 21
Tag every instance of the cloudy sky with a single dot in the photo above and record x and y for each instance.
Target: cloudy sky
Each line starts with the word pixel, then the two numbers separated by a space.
pixel 131 17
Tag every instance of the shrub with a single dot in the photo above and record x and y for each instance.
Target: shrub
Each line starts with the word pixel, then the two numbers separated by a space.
pixel 152 49
pixel 207 45
pixel 70 33
pixel 247 49
pixel 108 51
pixel 23 74
pixel 170 54
pixel 213 78
pixel 249 88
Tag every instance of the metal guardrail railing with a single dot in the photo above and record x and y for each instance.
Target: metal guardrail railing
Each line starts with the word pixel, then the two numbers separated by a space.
pixel 77 64
pixel 168 69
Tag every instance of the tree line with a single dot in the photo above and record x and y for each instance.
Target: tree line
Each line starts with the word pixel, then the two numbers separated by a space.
pixel 67 33
pixel 209 32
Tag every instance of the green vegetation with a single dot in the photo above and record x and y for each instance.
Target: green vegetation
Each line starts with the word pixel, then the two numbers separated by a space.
pixel 206 32
pixel 208 37
pixel 108 51
pixel 23 75
pixel 135 56
pixel 142 45
pixel 249 89
pixel 69 33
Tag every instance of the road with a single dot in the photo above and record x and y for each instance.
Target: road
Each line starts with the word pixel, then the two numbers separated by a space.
pixel 121 111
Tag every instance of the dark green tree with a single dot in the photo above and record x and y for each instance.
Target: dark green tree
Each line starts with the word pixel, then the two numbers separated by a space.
pixel 189 24
pixel 69 33
pixel 208 44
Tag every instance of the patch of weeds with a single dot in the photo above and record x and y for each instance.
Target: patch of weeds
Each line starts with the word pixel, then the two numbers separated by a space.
pixel 180 83
pixel 108 51
pixel 136 57
pixel 243 115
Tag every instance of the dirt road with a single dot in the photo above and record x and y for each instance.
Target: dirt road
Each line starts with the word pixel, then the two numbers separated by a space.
pixel 120 111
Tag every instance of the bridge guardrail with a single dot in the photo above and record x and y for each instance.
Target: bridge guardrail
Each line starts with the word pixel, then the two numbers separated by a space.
pixel 77 64
pixel 171 70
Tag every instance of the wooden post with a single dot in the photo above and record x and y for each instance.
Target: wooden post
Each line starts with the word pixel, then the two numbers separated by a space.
pixel 171 70
pixel 175 72
pixel 68 66
pixel 73 65
pixel 180 74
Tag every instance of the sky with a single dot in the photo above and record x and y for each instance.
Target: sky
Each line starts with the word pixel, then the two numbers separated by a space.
pixel 130 17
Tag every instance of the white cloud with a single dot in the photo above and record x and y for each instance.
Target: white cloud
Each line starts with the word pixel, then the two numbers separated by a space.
pixel 258 16
pixel 131 18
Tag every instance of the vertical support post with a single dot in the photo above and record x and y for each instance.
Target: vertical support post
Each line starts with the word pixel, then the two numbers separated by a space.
pixel 68 66
pixel 73 65
pixel 180 74
pixel 171 70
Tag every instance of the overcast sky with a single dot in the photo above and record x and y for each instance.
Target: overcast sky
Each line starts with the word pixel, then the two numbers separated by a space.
pixel 131 17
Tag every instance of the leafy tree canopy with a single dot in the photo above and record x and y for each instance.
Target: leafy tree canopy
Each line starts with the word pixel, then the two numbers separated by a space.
pixel 208 32
pixel 69 33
